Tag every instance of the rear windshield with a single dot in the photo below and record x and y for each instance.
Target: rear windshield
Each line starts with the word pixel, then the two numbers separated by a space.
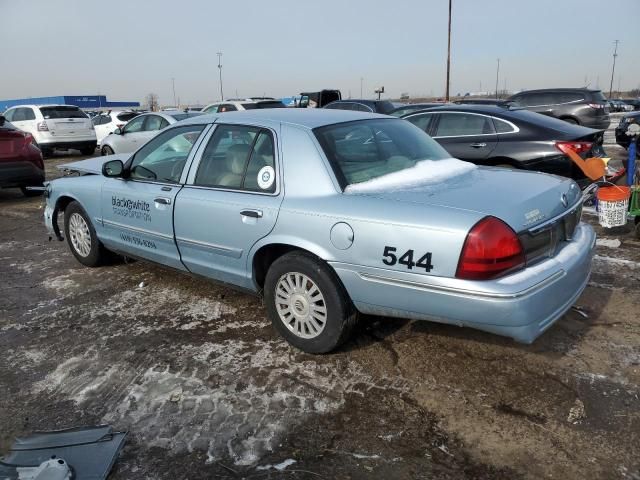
pixel 385 107
pixel 62 112
pixel 261 105
pixel 599 96
pixel 366 149
pixel 125 117
pixel 182 116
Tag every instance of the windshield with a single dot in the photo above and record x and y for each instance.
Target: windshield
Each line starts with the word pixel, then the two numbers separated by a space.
pixel 182 116
pixel 261 105
pixel 62 112
pixel 385 107
pixel 366 149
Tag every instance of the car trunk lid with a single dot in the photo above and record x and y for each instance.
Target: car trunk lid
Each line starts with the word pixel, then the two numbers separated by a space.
pixel 66 121
pixel 524 200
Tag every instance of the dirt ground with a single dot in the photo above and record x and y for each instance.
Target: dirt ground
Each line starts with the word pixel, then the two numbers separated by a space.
pixel 206 388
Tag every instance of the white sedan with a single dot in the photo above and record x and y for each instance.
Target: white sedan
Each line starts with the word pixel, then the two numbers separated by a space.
pixel 140 130
pixel 106 122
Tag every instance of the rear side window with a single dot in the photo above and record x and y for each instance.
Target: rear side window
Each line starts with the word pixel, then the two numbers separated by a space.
pixel 23 114
pixel 9 114
pixel 227 108
pixel 569 97
pixel 463 124
pixel 211 109
pixel 502 126
pixel 360 107
pixel 101 120
pixel 239 158
pixel 340 106
pixel 62 112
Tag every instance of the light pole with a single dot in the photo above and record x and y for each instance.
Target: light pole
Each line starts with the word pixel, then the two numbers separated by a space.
pixel 497 73
pixel 173 84
pixel 613 69
pixel 220 72
pixel 448 55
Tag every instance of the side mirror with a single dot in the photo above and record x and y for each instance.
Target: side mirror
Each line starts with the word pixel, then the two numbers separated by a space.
pixel 118 131
pixel 113 168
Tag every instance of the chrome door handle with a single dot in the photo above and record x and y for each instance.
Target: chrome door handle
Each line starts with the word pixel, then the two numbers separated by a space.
pixel 478 145
pixel 163 201
pixel 251 213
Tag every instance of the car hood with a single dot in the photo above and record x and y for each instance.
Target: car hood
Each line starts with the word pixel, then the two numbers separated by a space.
pixel 519 198
pixel 93 165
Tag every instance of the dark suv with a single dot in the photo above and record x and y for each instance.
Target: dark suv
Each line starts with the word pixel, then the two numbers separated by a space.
pixel 579 106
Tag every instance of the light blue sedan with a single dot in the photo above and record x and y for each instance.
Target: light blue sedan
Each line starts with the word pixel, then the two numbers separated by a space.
pixel 330 214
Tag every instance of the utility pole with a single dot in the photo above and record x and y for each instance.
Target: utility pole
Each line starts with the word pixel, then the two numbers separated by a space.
pixel 446 95
pixel 497 73
pixel 613 69
pixel 220 72
pixel 173 83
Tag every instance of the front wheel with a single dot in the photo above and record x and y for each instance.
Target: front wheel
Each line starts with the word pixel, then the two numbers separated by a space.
pixel 81 236
pixel 106 150
pixel 307 304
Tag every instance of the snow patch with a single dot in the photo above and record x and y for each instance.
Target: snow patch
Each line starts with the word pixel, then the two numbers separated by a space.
pixel 425 172
pixel 279 466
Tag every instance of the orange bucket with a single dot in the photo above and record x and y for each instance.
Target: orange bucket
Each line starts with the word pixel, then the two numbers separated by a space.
pixel 613 203
pixel 613 194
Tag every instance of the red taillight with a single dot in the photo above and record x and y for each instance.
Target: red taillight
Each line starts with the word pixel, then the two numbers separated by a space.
pixel 491 249
pixel 43 127
pixel 577 147
pixel 597 106
pixel 28 138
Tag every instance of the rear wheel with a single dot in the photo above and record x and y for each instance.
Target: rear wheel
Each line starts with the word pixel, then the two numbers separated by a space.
pixel 88 150
pixel 106 150
pixel 81 236
pixel 307 304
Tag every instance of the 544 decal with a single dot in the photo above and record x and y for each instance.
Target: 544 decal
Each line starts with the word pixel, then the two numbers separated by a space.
pixel 390 257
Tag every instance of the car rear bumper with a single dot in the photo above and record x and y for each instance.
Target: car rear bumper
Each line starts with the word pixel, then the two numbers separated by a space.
pixel 20 174
pixel 521 306
pixel 63 144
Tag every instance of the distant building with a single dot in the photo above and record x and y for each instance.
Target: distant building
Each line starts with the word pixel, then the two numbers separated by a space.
pixel 90 102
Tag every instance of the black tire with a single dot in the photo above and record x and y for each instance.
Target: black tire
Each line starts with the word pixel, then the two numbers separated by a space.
pixel 31 193
pixel 96 254
pixel 88 151
pixel 106 150
pixel 341 316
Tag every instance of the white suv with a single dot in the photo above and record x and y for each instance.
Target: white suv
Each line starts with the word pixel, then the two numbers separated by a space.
pixel 106 122
pixel 235 104
pixel 55 126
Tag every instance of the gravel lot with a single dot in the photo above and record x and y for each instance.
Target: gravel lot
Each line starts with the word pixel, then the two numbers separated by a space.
pixel 207 389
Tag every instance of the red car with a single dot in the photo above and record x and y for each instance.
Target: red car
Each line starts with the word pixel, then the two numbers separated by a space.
pixel 21 163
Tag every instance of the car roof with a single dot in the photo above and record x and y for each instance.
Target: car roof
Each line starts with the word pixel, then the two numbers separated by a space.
pixel 44 105
pixel 303 117
pixel 472 108
pixel 567 89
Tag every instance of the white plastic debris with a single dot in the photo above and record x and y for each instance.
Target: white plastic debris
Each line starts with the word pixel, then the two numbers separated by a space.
pixel 608 242
pixel 279 466
pixel 175 396
pixel 141 285
pixel 576 413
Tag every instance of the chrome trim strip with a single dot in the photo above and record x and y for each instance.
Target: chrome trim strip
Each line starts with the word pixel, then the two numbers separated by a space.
pixel 516 129
pixel 472 293
pixel 230 252
pixel 144 231
pixel 551 221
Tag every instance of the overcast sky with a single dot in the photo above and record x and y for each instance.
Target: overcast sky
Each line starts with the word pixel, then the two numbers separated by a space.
pixel 126 49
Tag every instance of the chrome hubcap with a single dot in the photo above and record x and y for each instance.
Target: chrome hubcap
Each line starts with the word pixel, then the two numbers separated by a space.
pixel 79 235
pixel 300 305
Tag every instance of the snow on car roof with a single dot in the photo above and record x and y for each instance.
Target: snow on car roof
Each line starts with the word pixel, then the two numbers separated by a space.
pixel 304 117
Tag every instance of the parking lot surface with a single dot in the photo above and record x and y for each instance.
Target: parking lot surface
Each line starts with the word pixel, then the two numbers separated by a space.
pixel 207 389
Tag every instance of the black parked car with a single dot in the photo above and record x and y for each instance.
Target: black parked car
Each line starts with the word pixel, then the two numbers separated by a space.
pixel 413 107
pixel 515 138
pixel 487 101
pixel 580 106
pixel 375 106
pixel 622 138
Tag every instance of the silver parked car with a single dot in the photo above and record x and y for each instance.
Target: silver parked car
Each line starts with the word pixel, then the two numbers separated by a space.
pixel 330 213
